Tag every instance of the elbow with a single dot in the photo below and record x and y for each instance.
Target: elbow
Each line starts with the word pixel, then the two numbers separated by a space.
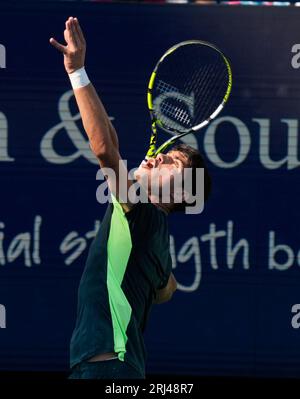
pixel 173 288
pixel 102 153
pixel 169 297
pixel 174 285
pixel 101 150
pixel 165 296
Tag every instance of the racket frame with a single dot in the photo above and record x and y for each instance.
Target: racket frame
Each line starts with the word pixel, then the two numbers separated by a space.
pixel 155 122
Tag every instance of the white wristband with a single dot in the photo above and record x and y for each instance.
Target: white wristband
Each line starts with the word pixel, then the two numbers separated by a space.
pixel 79 78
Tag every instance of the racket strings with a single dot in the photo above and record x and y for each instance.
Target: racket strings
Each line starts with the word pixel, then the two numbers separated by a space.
pixel 200 84
pixel 209 84
pixel 178 113
pixel 164 87
pixel 171 106
pixel 188 75
pixel 220 86
pixel 190 85
pixel 219 89
pixel 211 93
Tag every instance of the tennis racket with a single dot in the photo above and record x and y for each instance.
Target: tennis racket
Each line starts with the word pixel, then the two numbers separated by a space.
pixel 188 88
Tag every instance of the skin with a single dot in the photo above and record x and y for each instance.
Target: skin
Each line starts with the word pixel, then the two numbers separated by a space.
pixel 101 133
pixel 171 164
pixel 102 136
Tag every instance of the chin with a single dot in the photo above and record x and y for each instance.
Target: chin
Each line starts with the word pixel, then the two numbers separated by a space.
pixel 138 173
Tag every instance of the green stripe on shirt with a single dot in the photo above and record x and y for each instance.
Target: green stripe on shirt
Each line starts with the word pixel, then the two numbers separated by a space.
pixel 118 251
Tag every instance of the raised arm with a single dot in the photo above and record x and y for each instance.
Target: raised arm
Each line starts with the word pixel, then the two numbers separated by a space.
pixel 98 127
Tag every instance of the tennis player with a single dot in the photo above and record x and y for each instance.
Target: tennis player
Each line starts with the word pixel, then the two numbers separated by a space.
pixel 128 268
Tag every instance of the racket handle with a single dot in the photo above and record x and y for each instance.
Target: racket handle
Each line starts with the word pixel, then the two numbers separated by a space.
pixel 152 146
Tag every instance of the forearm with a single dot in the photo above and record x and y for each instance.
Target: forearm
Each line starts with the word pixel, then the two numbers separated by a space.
pixel 101 133
pixel 98 127
pixel 162 297
pixel 165 294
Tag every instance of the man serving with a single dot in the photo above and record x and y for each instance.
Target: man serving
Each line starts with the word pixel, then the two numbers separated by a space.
pixel 128 268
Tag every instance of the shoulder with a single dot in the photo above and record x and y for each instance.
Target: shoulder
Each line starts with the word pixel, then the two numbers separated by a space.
pixel 148 212
pixel 143 215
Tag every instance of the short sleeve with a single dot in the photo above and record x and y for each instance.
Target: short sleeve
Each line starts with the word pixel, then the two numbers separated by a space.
pixel 162 254
pixel 166 273
pixel 151 242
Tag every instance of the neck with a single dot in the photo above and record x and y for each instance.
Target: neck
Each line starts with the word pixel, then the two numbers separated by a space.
pixel 164 207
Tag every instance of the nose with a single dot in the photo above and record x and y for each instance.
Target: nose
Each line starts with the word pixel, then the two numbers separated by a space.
pixel 150 163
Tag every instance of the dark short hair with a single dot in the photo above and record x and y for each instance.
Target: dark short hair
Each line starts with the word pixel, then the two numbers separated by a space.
pixel 194 161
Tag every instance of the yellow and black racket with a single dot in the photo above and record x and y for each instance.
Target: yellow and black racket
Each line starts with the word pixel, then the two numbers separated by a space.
pixel 188 88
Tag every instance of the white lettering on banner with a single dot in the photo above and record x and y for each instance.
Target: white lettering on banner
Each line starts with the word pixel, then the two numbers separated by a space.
pixel 69 126
pixel 189 251
pixel 4 139
pixel 220 253
pixel 2 255
pixel 2 56
pixel 231 251
pixel 72 241
pixel 78 244
pixel 210 142
pixel 21 245
pixel 2 316
pixel 82 149
pixel 291 158
pixel 211 237
pixel 273 249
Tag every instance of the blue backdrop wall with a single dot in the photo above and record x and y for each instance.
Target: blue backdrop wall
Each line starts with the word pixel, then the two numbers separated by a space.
pixel 237 264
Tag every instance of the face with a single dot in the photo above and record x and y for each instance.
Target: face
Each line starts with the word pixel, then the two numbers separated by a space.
pixel 156 173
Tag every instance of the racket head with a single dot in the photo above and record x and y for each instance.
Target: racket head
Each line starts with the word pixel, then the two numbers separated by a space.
pixel 189 87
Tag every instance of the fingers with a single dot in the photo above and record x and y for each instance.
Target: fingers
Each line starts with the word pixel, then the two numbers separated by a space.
pixel 67 33
pixel 79 31
pixel 73 36
pixel 57 45
pixel 72 32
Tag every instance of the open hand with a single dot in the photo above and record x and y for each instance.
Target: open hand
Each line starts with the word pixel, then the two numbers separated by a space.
pixel 74 51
